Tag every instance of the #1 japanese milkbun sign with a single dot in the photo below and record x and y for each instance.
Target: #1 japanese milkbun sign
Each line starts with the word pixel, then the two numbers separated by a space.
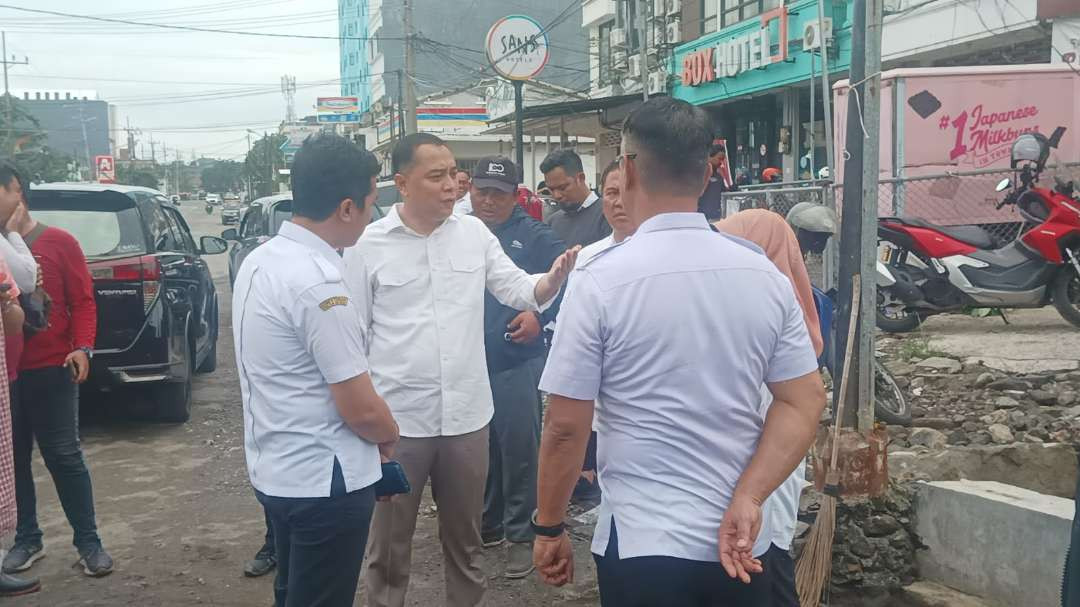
pixel 517 47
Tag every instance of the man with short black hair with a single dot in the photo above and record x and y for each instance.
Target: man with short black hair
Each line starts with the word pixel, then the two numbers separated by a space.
pixel 579 220
pixel 515 359
pixel 425 271
pixel 685 458
pixel 315 430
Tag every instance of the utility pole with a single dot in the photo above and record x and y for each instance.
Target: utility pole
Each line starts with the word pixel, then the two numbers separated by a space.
pixel 871 107
pixel 851 220
pixel 130 140
pixel 643 33
pixel 401 115
pixel 86 142
pixel 7 94
pixel 410 69
pixel 153 156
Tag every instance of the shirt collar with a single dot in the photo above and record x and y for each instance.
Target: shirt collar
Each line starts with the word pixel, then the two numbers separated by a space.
pixel 674 221
pixel 309 239
pixel 394 222
pixel 590 200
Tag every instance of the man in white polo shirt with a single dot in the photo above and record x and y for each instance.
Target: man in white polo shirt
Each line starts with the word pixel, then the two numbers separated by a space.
pixel 675 330
pixel 425 272
pixel 313 425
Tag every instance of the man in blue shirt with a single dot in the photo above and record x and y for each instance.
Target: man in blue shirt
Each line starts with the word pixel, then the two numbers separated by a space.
pixel 515 359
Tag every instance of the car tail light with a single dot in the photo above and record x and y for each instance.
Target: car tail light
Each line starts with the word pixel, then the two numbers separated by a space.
pixel 145 269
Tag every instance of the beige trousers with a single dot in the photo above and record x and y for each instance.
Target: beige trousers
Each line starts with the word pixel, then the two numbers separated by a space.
pixel 458 467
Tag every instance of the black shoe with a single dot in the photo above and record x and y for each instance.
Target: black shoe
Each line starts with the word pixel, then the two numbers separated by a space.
pixel 263 563
pixel 22 557
pixel 491 539
pixel 96 562
pixel 16 586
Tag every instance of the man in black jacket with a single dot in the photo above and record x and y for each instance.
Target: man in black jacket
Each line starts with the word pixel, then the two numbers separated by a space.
pixel 515 359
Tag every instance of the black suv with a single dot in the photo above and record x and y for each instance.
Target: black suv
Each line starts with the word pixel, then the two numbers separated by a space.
pixel 156 302
pixel 259 223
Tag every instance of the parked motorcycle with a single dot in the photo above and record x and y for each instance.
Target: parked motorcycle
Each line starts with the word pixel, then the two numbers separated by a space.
pixel 927 269
pixel 209 209
pixel 814 225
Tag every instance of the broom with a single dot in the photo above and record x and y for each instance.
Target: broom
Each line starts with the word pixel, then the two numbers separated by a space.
pixel 815 563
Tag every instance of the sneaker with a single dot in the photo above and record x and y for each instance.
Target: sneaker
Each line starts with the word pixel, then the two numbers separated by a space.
pixel 96 562
pixel 22 557
pixel 264 562
pixel 491 539
pixel 15 586
pixel 519 560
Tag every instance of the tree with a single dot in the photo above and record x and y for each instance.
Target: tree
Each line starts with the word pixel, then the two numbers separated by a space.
pixel 223 176
pixel 262 163
pixel 23 142
pixel 129 174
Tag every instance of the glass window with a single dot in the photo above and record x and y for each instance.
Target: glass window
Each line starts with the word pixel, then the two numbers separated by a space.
pixel 251 224
pixel 734 11
pixel 632 28
pixel 708 16
pixel 101 233
pixel 280 212
pixel 181 237
pixel 604 75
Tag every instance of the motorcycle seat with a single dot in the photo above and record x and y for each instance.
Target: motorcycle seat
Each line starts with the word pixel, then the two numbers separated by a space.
pixel 972 235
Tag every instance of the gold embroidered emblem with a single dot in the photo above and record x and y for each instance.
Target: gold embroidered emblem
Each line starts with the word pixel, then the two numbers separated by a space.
pixel 334 301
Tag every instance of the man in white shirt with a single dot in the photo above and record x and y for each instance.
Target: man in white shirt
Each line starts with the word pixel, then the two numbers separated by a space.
pixel 425 272
pixel 463 206
pixel 314 427
pixel 675 330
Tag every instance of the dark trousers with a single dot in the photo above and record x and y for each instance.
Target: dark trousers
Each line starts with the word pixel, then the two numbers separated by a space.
pixel 514 443
pixel 319 544
pixel 660 581
pixel 45 407
pixel 268 542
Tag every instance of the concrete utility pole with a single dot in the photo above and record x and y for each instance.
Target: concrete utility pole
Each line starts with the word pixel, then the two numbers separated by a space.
pixel 7 95
pixel 871 99
pixel 410 69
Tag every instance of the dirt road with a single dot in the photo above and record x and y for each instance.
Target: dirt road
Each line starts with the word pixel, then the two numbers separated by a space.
pixel 177 513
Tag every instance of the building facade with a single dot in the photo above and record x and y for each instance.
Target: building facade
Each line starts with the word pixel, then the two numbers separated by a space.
pixel 448 46
pixel 75 123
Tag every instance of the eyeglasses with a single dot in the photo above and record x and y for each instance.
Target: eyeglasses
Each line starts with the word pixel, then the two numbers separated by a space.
pixel 630 156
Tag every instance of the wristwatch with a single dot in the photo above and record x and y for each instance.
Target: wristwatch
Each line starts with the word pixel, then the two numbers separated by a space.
pixel 88 351
pixel 555 531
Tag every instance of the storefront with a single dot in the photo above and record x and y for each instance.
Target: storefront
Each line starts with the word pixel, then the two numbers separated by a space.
pixel 754 78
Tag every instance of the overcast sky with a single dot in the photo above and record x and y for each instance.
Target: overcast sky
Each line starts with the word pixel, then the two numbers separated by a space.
pixel 75 54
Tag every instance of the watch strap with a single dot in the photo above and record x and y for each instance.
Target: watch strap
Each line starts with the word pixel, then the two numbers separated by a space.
pixel 543 531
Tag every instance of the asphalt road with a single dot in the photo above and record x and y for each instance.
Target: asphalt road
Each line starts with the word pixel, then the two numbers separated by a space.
pixel 177 513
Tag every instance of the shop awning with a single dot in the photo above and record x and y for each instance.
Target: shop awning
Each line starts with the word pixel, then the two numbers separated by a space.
pixel 582 117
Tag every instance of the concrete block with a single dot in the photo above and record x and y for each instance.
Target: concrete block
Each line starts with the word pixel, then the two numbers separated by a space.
pixel 1046 468
pixel 929 594
pixel 995 541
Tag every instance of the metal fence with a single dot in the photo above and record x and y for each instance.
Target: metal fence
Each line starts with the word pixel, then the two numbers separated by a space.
pixel 779 197
pixel 962 198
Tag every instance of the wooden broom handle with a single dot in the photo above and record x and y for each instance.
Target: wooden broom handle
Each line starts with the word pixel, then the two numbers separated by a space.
pixel 856 295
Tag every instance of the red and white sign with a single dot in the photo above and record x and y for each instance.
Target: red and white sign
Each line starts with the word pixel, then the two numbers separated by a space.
pixel 106 169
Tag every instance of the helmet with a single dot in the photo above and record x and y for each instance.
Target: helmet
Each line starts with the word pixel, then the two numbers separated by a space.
pixel 772 174
pixel 813 217
pixel 1031 147
pixel 823 173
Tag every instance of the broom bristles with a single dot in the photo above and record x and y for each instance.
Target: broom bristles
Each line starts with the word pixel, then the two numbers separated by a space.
pixel 815 563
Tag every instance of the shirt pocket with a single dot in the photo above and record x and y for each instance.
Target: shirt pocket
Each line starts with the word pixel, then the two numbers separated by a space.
pixel 466 276
pixel 397 287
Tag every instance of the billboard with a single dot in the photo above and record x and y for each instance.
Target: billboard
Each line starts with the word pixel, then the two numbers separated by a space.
pixel 337 109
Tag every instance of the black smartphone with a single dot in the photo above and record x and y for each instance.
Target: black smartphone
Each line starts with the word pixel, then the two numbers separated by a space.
pixel 393 481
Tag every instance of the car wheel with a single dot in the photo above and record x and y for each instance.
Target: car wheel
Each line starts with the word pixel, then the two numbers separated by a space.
pixel 174 397
pixel 209 364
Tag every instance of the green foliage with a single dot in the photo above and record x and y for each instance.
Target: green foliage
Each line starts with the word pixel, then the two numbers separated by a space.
pixel 223 176
pixel 23 142
pixel 262 163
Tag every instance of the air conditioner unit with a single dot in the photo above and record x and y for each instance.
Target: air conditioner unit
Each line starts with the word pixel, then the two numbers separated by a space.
pixel 634 66
pixel 674 7
pixel 812 36
pixel 618 37
pixel 674 32
pixel 657 82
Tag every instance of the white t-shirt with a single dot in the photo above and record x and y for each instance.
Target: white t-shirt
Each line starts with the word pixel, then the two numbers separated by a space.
pixel 675 330
pixel 464 205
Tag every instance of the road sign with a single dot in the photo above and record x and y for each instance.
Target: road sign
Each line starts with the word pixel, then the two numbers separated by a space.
pixel 295 134
pixel 337 109
pixel 106 169
pixel 517 47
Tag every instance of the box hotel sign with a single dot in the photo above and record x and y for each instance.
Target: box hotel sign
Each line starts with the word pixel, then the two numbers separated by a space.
pixel 732 56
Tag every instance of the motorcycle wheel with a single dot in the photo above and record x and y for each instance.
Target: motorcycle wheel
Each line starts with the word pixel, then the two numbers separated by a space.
pixel 1065 291
pixel 890 406
pixel 892 319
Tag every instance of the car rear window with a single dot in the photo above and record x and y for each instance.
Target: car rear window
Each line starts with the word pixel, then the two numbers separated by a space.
pixel 103 226
pixel 281 212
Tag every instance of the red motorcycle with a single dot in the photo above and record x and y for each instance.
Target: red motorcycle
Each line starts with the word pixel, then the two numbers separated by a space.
pixel 926 269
